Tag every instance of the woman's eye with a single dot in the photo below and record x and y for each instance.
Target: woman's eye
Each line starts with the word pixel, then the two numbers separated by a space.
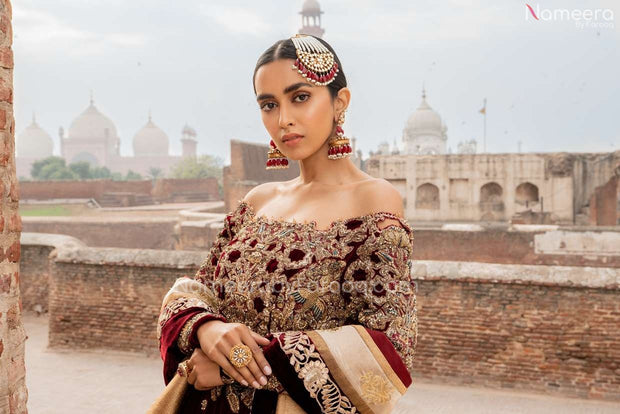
pixel 266 105
pixel 304 95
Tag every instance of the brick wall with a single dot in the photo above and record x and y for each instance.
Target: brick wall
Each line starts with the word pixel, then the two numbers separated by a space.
pixel 34 265
pixel 161 190
pixel 515 247
pixel 96 302
pixel 550 329
pixel 131 233
pixel 604 203
pixel 13 393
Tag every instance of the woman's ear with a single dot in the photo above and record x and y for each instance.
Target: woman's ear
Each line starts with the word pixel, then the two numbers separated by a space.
pixel 342 99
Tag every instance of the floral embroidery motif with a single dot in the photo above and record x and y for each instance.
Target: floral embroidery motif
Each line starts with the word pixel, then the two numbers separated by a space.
pixel 375 388
pixel 314 374
pixel 311 368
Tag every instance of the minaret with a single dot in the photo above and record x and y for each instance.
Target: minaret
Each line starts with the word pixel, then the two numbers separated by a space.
pixel 311 19
pixel 188 140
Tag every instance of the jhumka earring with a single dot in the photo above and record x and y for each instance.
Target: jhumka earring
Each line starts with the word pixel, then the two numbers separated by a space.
pixel 339 146
pixel 275 159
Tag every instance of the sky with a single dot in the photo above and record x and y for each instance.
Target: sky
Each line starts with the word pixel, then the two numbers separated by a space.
pixel 548 84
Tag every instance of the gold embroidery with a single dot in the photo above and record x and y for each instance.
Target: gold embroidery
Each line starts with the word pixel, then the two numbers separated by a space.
pixel 375 388
pixel 314 374
pixel 183 341
pixel 203 405
pixel 311 368
pixel 175 307
pixel 273 384
pixel 233 399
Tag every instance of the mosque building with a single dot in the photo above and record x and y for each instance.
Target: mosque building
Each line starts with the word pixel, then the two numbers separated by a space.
pixel 92 137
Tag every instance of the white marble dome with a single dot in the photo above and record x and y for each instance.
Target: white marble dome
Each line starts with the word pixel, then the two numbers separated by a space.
pixel 425 132
pixel 150 140
pixel 34 142
pixel 311 6
pixel 92 125
pixel 425 119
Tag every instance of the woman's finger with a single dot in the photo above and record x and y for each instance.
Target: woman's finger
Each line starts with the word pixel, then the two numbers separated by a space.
pixel 261 340
pixel 240 336
pixel 191 378
pixel 221 358
pixel 257 351
pixel 223 362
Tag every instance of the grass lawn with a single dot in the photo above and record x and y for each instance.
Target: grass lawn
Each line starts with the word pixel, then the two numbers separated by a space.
pixel 43 210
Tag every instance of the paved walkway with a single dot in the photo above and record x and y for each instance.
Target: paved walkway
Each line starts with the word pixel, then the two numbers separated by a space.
pixel 68 382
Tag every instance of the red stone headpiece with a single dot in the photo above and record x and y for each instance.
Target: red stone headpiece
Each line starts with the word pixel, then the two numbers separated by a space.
pixel 314 61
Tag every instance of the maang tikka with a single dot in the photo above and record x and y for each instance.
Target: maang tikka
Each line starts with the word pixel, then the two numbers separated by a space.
pixel 315 63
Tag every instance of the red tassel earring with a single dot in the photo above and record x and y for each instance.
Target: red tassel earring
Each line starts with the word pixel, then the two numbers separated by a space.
pixel 275 159
pixel 339 146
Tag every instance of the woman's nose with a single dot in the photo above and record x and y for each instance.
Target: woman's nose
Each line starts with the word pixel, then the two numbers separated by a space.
pixel 286 119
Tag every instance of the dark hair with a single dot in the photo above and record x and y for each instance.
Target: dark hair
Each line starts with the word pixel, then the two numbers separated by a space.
pixel 285 49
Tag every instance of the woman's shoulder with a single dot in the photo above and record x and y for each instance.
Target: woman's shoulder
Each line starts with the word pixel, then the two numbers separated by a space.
pixel 261 193
pixel 379 195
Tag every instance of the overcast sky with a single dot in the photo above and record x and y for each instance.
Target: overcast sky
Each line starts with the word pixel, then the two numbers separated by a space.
pixel 548 83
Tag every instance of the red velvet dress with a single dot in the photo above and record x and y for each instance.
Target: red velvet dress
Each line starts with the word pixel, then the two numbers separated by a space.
pixel 338 305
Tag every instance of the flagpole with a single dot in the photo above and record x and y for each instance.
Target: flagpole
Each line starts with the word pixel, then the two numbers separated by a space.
pixel 485 125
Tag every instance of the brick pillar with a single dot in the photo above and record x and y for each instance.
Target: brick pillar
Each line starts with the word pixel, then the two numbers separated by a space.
pixel 13 393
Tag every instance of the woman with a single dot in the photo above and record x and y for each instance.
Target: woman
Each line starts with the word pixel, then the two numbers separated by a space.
pixel 305 301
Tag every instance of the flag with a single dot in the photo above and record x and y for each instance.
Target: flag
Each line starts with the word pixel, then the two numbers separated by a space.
pixel 484 107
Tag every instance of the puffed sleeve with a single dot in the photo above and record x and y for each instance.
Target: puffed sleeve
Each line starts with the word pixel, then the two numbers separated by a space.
pixel 364 366
pixel 191 302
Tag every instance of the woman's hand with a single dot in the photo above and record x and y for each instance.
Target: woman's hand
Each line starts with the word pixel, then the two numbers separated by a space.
pixel 205 373
pixel 216 340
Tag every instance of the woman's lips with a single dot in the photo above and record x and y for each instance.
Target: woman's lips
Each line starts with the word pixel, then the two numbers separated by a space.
pixel 293 141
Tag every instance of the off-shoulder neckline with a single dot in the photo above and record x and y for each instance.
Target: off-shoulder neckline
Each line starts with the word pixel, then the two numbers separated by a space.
pixel 332 225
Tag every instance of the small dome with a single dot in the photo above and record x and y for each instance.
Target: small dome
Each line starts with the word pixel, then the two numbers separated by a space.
pixel 424 119
pixel 188 132
pixel 311 6
pixel 150 140
pixel 34 142
pixel 94 126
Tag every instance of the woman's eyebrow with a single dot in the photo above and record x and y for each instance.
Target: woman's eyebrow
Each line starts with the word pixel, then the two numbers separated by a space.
pixel 288 89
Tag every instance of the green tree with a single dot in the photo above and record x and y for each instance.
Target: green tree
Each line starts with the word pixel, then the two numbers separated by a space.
pixel 37 166
pixel 203 166
pixel 132 175
pixel 155 173
pixel 200 167
pixel 100 172
pixel 52 168
pixel 82 169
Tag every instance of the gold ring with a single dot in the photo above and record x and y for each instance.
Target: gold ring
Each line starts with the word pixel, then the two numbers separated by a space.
pixel 240 355
pixel 184 369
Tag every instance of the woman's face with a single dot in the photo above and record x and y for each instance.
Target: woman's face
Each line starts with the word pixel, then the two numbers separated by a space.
pixel 291 105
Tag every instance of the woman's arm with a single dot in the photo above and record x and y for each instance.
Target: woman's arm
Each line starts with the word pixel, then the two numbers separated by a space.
pixel 191 304
pixel 185 300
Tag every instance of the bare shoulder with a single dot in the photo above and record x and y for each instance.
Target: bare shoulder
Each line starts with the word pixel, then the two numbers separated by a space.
pixel 261 193
pixel 380 195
